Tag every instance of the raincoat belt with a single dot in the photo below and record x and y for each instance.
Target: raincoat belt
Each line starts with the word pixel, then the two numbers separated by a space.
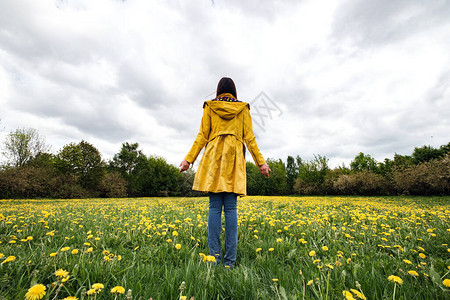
pixel 225 133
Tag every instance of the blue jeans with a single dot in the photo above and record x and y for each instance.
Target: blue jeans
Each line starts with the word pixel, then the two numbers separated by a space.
pixel 228 201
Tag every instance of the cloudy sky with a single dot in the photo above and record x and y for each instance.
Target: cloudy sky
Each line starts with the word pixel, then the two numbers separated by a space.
pixel 333 78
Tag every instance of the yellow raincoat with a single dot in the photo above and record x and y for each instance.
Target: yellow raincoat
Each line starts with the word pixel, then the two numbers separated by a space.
pixel 224 128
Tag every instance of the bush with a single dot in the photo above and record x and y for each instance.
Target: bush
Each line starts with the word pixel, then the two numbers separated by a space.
pixel 113 186
pixel 311 176
pixel 362 183
pixel 331 177
pixel 24 182
pixel 185 182
pixel 66 186
pixel 303 187
pixel 429 178
pixel 35 182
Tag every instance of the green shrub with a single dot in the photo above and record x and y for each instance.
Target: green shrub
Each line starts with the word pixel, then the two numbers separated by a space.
pixel 362 183
pixel 113 186
pixel 428 178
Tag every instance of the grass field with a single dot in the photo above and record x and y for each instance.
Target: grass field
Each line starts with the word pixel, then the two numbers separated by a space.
pixel 289 248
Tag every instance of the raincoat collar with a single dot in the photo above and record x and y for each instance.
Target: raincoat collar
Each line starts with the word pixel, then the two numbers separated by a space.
pixel 226 97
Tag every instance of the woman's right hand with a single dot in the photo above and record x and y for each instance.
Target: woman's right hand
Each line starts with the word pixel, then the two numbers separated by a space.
pixel 184 165
pixel 264 169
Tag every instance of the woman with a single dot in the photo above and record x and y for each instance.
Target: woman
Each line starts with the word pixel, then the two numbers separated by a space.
pixel 226 124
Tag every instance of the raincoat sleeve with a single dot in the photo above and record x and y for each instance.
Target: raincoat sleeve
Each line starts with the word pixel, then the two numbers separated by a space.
pixel 202 136
pixel 250 140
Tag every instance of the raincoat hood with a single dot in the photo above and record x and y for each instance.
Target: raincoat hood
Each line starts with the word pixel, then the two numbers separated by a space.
pixel 226 110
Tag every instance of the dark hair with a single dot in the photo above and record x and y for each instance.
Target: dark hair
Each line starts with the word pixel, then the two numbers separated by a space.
pixel 226 85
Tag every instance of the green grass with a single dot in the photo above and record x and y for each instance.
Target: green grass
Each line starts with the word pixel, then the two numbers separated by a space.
pixel 367 238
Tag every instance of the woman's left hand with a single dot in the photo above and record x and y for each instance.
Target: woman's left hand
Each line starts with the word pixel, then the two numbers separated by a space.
pixel 184 165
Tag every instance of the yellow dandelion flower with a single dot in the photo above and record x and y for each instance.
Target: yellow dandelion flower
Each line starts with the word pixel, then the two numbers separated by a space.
pixel 316 261
pixel 9 259
pixel 358 294
pixel 70 298
pixel 348 295
pixel 89 250
pixel 61 273
pixel 279 240
pixel 183 297
pixel 395 279
pixel 413 273
pixel 91 292
pixel 98 286
pixel 175 233
pixel 119 257
pixel 209 258
pixel 446 282
pixel 1 255
pixel 329 266
pixel 118 290
pixel 325 248
pixel 421 255
pixel 258 249
pixel 87 244
pixel 271 249
pixel 53 254
pixel 65 249
pixel 36 292
pixel 407 261
pixel 75 251
pixel 312 253
pixel 275 279
pixel 65 279
pixel 310 282
pixel 178 246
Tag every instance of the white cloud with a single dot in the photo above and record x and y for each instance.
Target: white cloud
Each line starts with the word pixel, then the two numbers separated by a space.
pixel 349 76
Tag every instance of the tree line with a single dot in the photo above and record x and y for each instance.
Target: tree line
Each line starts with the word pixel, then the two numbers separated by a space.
pixel 425 172
pixel 78 171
